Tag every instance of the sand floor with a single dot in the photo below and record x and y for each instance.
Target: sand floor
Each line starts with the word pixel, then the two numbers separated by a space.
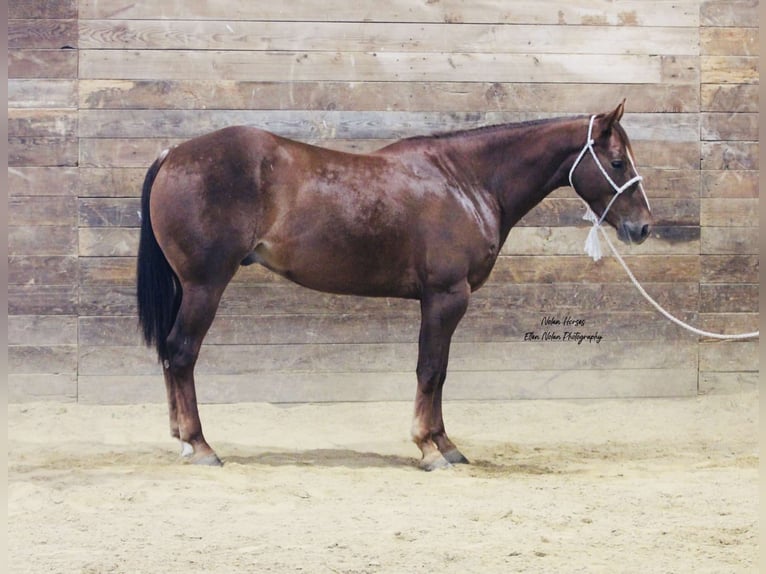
pixel 608 486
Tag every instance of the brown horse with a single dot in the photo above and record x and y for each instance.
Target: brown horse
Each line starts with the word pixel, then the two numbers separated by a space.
pixel 423 218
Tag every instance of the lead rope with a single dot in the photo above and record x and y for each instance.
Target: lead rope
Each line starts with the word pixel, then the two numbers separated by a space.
pixel 593 248
pixel 754 334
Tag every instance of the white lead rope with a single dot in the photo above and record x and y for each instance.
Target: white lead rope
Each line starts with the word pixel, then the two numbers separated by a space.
pixel 593 248
pixel 753 335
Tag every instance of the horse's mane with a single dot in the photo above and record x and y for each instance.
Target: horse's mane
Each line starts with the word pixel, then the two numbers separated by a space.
pixel 488 130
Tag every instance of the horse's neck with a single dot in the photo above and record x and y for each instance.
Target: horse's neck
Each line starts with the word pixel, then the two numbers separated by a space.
pixel 521 164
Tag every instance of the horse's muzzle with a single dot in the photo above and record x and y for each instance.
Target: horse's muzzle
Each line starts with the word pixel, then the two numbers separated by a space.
pixel 634 232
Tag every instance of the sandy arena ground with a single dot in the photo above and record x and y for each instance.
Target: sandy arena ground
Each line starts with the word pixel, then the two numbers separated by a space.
pixel 613 486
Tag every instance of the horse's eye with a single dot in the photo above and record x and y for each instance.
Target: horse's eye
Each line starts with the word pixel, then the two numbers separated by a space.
pixel 618 163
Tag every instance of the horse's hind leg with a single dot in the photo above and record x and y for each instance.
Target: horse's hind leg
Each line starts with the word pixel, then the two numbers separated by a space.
pixel 195 315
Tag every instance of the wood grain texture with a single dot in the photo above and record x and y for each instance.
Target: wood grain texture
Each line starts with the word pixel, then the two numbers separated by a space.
pixel 375 37
pixel 40 63
pixel 626 13
pixel 43 33
pixel 64 9
pixel 226 94
pixel 395 66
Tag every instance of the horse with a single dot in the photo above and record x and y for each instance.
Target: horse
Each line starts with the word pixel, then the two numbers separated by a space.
pixel 423 218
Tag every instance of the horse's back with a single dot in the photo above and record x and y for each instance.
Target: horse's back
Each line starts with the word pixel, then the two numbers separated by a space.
pixel 377 224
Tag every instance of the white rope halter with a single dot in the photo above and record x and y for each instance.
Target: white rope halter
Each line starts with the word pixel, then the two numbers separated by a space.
pixel 592 245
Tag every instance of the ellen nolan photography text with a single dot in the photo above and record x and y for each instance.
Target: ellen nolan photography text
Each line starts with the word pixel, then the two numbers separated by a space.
pixel 565 329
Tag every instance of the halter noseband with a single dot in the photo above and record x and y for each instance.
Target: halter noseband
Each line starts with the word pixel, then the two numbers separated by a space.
pixel 592 246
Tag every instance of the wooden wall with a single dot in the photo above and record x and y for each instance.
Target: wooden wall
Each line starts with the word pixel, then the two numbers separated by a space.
pixel 98 87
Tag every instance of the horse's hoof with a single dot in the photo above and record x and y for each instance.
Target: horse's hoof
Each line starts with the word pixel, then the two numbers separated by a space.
pixel 207 460
pixel 434 463
pixel 456 457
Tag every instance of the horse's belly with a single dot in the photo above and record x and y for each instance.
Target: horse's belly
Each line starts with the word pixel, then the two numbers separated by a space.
pixel 359 270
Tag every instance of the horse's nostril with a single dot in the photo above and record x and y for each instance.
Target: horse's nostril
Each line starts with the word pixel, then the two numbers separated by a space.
pixel 645 231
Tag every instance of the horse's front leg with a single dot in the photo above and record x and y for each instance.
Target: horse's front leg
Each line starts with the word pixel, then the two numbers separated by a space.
pixel 440 314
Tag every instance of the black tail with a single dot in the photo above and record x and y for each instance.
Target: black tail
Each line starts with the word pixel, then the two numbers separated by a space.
pixel 157 287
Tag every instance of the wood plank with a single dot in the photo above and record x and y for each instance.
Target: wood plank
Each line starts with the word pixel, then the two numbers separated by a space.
pixel 107 271
pixel 46 270
pixel 729 269
pixel 680 69
pixel 582 269
pixel 729 212
pixel 116 152
pixel 42 151
pixel 20 9
pixel 108 242
pixel 376 96
pixel 42 387
pixel 729 127
pixel 498 325
pixel 729 240
pixel 47 240
pixel 736 98
pixel 31 359
pixel 729 156
pixel 42 300
pixel 41 330
pixel 729 41
pixel 727 383
pixel 729 323
pixel 41 123
pixel 43 181
pixel 729 184
pixel 728 12
pixel 479 385
pixel 42 93
pixel 42 33
pixel 729 69
pixel 391 358
pixel 111 182
pixel 383 37
pixel 388 66
pixel 103 212
pixel 42 63
pixel 670 183
pixel 667 155
pixel 626 13
pixel 57 210
pixel 729 356
pixel 729 298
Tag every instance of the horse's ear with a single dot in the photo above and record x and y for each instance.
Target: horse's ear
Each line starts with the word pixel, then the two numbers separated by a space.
pixel 608 120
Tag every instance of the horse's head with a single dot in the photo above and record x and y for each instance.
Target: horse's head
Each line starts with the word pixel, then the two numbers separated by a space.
pixel 605 176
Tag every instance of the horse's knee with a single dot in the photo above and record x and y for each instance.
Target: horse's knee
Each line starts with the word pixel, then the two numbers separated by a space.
pixel 430 378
